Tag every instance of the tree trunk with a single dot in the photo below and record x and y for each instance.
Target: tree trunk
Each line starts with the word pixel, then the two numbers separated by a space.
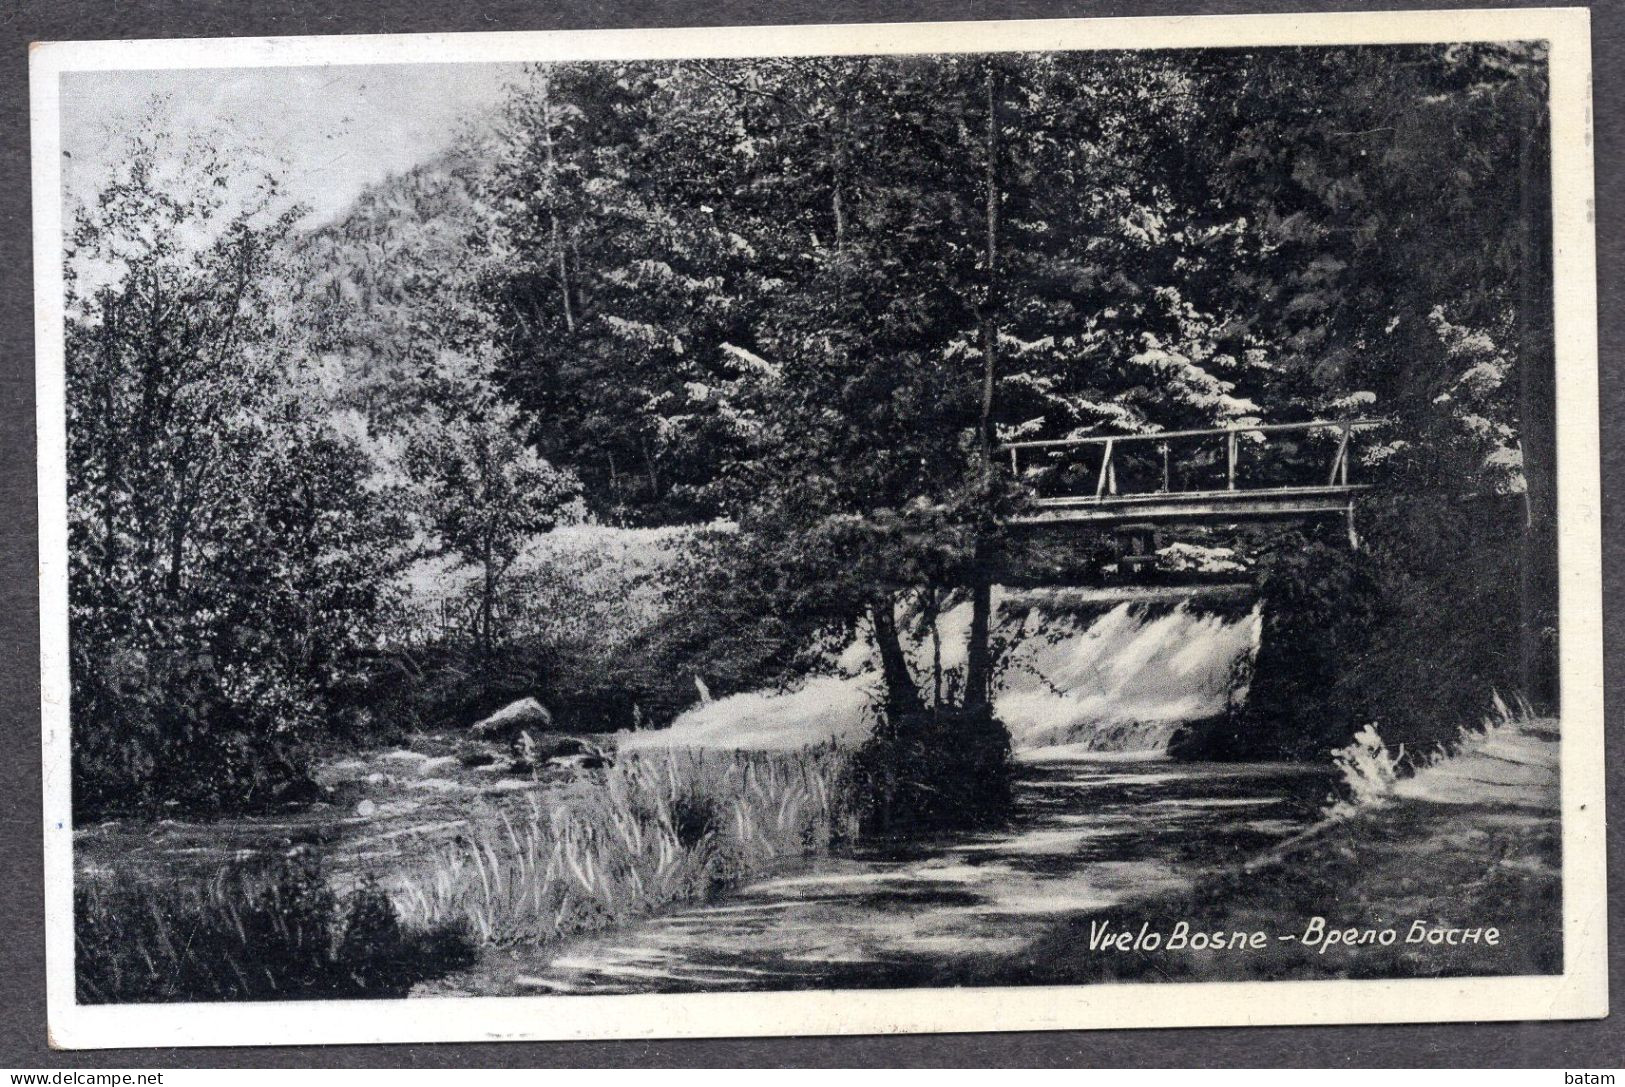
pixel 654 474
pixel 936 652
pixel 990 302
pixel 901 695
pixel 564 279
pixel 553 212
pixel 111 436
pixel 1537 370
pixel 487 601
pixel 979 657
pixel 979 661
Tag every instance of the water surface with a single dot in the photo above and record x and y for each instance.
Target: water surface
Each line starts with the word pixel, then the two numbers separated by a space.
pixel 1085 834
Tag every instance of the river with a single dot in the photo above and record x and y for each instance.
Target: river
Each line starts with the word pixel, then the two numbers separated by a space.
pixel 1086 833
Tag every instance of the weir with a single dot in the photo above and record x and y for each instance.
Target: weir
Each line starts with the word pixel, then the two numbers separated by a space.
pixel 1109 671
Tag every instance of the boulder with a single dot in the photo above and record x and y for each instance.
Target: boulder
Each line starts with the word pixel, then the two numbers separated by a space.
pixel 591 760
pixel 563 747
pixel 512 718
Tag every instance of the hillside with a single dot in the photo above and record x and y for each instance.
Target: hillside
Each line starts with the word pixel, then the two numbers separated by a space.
pixel 394 282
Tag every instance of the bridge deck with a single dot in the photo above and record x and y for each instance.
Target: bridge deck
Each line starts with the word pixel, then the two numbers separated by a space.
pixel 1194 507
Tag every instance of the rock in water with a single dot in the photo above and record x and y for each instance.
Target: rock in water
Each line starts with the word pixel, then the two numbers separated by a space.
pixel 510 719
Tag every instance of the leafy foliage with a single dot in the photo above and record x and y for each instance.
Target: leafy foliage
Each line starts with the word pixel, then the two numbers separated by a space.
pixel 806 296
pixel 481 491
pixel 277 933
pixel 229 550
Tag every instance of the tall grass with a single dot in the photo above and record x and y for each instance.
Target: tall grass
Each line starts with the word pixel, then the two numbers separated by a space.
pixel 657 829
pixel 662 828
pixel 273 931
pixel 1371 771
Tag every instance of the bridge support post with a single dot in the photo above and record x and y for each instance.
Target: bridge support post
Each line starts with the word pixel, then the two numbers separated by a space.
pixel 1354 535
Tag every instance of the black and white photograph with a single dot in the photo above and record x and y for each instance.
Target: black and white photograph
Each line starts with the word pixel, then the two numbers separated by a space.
pixel 847 529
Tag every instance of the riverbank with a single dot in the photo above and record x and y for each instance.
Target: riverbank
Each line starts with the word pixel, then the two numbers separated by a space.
pixel 680 867
pixel 456 835
pixel 1470 844
pixel 1097 847
pixel 435 866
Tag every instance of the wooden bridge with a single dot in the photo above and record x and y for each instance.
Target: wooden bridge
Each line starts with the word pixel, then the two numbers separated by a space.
pixel 1135 483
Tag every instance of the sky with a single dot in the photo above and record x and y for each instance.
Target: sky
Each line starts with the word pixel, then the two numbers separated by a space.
pixel 336 129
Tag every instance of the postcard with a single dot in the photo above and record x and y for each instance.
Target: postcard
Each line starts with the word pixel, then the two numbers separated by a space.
pixel 834 529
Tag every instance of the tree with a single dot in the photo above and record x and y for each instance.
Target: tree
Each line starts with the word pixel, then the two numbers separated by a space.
pixel 1396 235
pixel 999 264
pixel 812 294
pixel 482 491
pixel 618 292
pixel 226 559
pixel 792 285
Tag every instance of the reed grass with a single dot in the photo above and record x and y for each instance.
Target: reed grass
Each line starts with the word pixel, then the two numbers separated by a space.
pixel 1371 771
pixel 272 931
pixel 656 829
pixel 661 828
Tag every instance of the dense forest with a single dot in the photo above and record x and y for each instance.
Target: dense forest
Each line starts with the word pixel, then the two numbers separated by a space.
pixel 802 302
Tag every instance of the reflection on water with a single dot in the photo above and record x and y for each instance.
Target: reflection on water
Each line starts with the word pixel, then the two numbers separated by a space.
pixel 1084 835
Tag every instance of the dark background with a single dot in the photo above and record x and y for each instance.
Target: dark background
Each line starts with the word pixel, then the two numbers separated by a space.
pixel 22 946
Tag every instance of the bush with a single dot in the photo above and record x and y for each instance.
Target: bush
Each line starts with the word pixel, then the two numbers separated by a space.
pixel 606 627
pixel 272 933
pixel 1414 631
pixel 932 770
pixel 175 728
pixel 1319 602
pixel 447 686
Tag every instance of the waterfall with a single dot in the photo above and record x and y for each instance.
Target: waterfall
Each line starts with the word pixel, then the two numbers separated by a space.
pixel 1092 670
pixel 1125 680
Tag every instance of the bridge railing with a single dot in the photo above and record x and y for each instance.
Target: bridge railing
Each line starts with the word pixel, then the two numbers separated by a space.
pixel 1265 456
